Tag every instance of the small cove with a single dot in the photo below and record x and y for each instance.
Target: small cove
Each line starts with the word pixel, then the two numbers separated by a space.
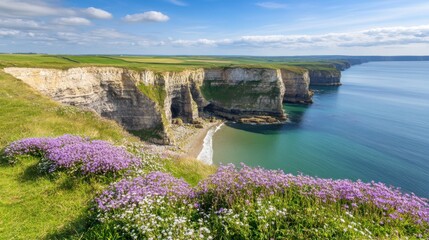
pixel 373 127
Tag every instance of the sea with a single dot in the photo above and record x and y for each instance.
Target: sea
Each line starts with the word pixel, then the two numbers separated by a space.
pixel 375 127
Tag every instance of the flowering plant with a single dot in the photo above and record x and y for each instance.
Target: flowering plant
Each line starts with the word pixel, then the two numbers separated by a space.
pixel 73 153
pixel 254 203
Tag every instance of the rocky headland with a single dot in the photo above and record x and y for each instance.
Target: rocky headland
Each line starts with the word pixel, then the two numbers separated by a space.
pixel 147 102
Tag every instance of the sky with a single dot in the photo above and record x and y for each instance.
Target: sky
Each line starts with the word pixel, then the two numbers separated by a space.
pixel 216 27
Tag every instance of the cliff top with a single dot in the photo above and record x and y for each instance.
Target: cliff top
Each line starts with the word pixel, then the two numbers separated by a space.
pixel 162 63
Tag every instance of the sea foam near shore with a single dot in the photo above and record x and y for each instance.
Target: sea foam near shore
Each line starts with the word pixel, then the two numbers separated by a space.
pixel 206 154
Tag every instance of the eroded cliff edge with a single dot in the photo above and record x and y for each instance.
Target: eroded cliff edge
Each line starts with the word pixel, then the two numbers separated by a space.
pixel 148 101
pixel 325 77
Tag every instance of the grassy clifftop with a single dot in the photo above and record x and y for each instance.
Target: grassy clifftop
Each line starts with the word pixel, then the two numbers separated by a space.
pixel 157 63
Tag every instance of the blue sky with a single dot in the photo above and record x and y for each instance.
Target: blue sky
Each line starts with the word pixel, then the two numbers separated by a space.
pixel 216 27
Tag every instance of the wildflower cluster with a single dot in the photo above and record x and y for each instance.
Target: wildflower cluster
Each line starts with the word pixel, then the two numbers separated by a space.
pixel 152 206
pixel 149 162
pixel 253 203
pixel 229 185
pixel 130 192
pixel 74 153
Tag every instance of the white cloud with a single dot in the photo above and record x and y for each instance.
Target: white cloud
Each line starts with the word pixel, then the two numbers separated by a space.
pixel 369 40
pixel 178 2
pixel 272 5
pixel 201 42
pixel 97 13
pixel 151 16
pixel 96 37
pixel 73 21
pixel 109 34
pixel 30 8
pixel 390 36
pixel 19 23
pixel 7 32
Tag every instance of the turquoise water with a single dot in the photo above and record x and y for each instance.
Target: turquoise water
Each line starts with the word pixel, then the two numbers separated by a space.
pixel 373 127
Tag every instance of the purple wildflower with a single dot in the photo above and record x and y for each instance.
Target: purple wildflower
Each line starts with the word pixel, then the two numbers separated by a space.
pixel 230 184
pixel 128 192
pixel 66 152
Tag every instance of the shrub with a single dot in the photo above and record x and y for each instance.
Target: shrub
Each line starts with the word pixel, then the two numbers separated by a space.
pixel 198 121
pixel 177 121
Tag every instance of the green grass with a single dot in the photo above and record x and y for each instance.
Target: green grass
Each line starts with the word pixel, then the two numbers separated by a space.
pixel 161 63
pixel 26 113
pixel 149 134
pixel 155 93
pixel 33 60
pixel 34 206
pixel 190 170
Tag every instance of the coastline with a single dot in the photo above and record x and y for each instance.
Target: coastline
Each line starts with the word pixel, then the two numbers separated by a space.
pixel 195 143
pixel 206 153
pixel 190 140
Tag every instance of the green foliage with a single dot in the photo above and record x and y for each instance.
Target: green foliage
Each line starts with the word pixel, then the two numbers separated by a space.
pixel 149 134
pixel 288 215
pixel 244 93
pixel 191 170
pixel 177 121
pixel 156 93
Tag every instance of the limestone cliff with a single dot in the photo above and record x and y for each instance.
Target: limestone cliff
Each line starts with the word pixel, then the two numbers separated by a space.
pixel 147 100
pixel 341 65
pixel 325 77
pixel 111 92
pixel 234 93
pixel 143 101
pixel 296 86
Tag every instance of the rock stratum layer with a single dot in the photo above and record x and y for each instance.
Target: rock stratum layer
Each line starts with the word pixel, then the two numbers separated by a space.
pixel 146 100
pixel 328 77
pixel 297 86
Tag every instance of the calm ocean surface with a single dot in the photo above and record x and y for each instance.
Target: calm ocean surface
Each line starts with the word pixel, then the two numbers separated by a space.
pixel 373 127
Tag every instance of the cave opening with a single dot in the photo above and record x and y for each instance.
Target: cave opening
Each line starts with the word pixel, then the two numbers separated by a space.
pixel 208 108
pixel 175 108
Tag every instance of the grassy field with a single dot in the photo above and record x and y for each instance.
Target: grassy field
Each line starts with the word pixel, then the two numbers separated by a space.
pixel 159 63
pixel 34 206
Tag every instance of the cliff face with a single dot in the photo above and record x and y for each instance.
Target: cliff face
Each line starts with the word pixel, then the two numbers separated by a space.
pixel 329 77
pixel 111 92
pixel 148 100
pixel 341 66
pixel 296 86
pixel 240 92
